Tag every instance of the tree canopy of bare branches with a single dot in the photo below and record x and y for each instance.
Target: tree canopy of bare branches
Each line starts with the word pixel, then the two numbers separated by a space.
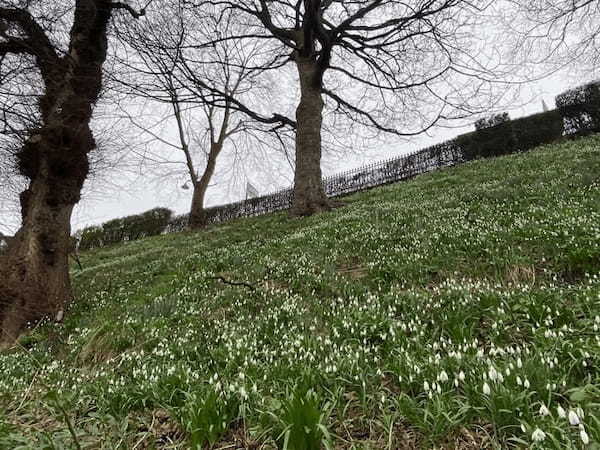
pixel 557 34
pixel 392 66
pixel 198 87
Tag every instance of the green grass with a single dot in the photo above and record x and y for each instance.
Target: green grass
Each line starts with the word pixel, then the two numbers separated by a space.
pixel 446 312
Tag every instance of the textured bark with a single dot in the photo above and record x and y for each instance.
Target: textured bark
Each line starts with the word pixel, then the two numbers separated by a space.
pixel 309 195
pixel 35 278
pixel 34 273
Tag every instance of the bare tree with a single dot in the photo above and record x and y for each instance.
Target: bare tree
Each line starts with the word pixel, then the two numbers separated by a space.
pixel 34 276
pixel 168 70
pixel 556 33
pixel 393 66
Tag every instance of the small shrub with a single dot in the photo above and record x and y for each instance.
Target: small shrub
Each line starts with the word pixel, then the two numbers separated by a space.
pixel 130 228
pixel 580 109
pixel 90 237
pixel 178 223
pixel 492 121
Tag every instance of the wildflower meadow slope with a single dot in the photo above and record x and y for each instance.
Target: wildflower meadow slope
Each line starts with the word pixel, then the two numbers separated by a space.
pixel 457 310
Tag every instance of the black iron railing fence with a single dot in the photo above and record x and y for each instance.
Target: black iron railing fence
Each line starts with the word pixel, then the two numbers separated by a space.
pixel 390 171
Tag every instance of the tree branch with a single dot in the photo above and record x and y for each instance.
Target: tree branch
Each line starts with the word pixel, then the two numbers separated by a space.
pixel 135 14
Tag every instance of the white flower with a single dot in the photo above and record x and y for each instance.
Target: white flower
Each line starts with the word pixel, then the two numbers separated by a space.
pixel 584 436
pixel 243 393
pixel 443 377
pixel 573 418
pixel 561 412
pixel 544 411
pixel 486 389
pixel 538 435
pixel 526 383
pixel 461 376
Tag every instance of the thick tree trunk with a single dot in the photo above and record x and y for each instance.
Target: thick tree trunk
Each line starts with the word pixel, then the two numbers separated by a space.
pixel 198 218
pixel 34 273
pixel 309 196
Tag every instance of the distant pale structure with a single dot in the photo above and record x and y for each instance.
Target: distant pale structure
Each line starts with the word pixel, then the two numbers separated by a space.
pixel 251 191
pixel 545 106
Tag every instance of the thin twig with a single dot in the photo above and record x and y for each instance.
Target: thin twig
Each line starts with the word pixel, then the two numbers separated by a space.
pixel 233 283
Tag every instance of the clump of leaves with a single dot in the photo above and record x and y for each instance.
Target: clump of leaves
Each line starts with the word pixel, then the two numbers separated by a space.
pixel 300 421
pixel 206 416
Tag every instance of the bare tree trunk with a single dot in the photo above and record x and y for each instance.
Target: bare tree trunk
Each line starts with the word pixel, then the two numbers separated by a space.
pixel 309 195
pixel 35 276
pixel 34 273
pixel 198 218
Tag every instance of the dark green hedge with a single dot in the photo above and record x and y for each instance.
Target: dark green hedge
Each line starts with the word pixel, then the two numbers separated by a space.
pixel 538 129
pixel 580 109
pixel 512 136
pixel 488 142
pixel 130 228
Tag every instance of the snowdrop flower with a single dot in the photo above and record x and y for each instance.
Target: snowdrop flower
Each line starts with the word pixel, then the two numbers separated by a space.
pixel 573 418
pixel 580 412
pixel 519 363
pixel 538 435
pixel 561 412
pixel 544 411
pixel 426 386
pixel 583 435
pixel 461 376
pixel 486 389
pixel 526 383
pixel 443 377
pixel 519 381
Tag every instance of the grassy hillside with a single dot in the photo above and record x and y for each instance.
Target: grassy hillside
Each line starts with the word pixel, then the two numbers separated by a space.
pixel 457 310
